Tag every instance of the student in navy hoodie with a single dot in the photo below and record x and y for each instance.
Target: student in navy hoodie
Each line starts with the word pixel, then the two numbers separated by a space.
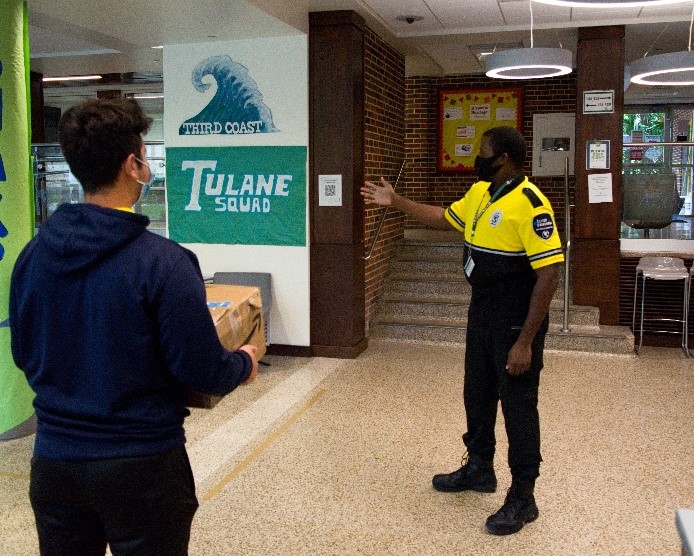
pixel 110 324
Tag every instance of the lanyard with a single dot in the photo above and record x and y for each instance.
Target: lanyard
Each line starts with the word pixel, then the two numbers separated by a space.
pixel 493 197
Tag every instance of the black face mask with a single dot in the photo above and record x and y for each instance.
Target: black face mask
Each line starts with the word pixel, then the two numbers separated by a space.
pixel 484 167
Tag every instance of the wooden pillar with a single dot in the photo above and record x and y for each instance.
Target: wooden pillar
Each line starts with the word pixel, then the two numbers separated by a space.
pixel 336 120
pixel 600 67
pixel 38 121
pixel 109 93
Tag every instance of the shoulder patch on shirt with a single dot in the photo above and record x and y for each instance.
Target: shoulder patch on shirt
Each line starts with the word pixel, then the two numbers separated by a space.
pixel 534 199
pixel 543 225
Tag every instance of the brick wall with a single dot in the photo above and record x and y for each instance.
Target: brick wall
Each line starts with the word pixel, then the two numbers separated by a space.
pixel 424 183
pixel 401 121
pixel 384 128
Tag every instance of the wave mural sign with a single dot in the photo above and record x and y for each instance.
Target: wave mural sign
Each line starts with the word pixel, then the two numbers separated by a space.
pixel 237 106
pixel 241 195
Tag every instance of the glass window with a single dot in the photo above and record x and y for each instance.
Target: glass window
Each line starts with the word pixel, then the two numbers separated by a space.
pixel 657 181
pixel 54 184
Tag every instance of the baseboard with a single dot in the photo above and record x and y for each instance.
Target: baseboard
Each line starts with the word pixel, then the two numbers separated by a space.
pixel 340 352
pixel 288 351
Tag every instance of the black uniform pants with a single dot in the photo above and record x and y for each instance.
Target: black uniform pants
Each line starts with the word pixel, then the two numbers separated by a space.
pixel 487 382
pixel 139 506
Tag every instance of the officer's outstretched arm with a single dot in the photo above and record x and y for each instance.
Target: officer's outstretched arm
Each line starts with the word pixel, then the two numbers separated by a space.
pixel 383 194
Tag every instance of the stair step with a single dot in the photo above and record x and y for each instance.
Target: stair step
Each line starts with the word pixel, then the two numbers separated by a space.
pixel 426 299
pixel 435 265
pixel 607 339
pixel 436 287
pixel 398 310
pixel 410 251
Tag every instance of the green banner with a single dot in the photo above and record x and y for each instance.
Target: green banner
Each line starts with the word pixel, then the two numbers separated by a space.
pixel 16 199
pixel 237 195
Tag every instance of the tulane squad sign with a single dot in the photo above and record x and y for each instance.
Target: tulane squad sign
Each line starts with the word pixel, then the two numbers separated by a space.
pixel 238 195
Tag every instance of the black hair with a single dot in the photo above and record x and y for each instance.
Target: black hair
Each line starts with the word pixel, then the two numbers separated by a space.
pixel 97 136
pixel 505 139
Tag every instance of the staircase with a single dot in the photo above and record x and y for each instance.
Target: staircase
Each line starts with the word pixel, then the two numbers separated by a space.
pixel 426 298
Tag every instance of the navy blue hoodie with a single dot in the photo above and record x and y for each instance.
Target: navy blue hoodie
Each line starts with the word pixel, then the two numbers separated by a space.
pixel 109 321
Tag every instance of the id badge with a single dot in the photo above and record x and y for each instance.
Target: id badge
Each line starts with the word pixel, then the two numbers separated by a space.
pixel 469 266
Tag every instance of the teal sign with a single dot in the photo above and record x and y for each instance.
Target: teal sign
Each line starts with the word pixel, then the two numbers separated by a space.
pixel 237 195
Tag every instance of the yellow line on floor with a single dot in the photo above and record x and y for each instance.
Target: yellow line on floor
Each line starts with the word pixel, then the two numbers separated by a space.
pixel 264 446
pixel 11 475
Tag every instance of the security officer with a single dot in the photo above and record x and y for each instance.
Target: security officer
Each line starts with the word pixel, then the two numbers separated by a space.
pixel 511 259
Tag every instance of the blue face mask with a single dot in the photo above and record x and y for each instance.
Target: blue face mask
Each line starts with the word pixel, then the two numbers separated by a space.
pixel 146 186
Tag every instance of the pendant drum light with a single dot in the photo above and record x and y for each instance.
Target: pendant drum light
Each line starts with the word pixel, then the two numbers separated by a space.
pixel 529 63
pixel 674 68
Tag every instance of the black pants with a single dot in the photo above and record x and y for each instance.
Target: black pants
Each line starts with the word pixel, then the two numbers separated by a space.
pixel 139 506
pixel 487 382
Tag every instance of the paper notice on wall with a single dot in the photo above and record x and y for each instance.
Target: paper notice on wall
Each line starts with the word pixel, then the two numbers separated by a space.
pixel 600 188
pixel 453 113
pixel 506 114
pixel 480 112
pixel 330 190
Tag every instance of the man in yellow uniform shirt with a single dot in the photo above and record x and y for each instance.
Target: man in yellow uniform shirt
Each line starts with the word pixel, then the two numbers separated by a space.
pixel 511 258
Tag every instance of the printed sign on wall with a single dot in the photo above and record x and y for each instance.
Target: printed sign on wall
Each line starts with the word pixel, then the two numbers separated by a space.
pixel 236 136
pixel 242 195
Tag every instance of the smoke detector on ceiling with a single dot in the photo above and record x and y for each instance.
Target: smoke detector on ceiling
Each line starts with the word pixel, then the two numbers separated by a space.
pixel 409 18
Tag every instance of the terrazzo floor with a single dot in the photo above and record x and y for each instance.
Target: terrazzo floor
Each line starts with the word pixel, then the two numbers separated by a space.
pixel 335 457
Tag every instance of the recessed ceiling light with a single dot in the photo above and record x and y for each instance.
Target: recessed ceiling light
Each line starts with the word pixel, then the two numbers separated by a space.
pixel 72 78
pixel 610 3
pixel 160 46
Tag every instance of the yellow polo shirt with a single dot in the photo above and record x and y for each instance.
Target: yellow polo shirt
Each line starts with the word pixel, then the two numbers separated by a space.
pixel 508 235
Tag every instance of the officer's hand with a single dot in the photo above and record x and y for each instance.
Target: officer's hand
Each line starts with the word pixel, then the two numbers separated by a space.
pixel 380 194
pixel 519 357
pixel 251 350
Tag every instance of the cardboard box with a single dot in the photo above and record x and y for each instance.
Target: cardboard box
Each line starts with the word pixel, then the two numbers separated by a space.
pixel 237 313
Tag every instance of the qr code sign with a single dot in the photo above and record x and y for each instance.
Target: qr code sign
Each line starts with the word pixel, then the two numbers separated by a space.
pixel 330 190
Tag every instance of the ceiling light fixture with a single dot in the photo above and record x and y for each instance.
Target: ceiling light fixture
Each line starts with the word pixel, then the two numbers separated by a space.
pixel 529 63
pixel 674 68
pixel 73 78
pixel 610 3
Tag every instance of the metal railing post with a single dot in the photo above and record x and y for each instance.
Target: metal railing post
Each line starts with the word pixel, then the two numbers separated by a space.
pixel 567 256
pixel 383 218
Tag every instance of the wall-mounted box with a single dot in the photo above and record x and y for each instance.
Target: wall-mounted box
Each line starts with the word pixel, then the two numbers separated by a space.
pixel 554 140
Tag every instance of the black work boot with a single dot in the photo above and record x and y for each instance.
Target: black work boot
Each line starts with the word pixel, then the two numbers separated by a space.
pixel 518 509
pixel 475 474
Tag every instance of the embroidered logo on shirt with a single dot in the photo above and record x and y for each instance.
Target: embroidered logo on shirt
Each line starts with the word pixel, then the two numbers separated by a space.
pixel 495 218
pixel 543 226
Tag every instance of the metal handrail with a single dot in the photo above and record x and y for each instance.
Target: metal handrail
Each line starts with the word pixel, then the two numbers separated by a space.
pixel 383 218
pixel 567 257
pixel 662 144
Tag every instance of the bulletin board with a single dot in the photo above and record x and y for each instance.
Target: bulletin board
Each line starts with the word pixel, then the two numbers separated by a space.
pixel 465 114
